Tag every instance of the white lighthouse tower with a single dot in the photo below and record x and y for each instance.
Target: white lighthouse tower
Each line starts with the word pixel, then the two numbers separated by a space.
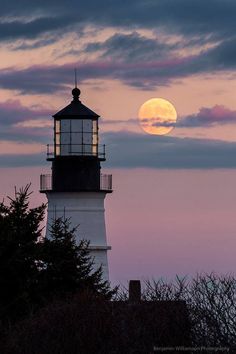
pixel 77 189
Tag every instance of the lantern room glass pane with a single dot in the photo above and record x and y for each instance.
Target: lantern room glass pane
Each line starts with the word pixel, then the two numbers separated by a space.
pixel 58 139
pixel 95 126
pixel 58 150
pixel 65 125
pixel 65 143
pixel 77 149
pixel 87 136
pixel 76 138
pixel 57 126
pixel 76 125
pixel 65 149
pixel 65 138
pixel 87 125
pixel 87 149
pixel 95 149
pixel 76 143
pixel 87 142
pixel 95 139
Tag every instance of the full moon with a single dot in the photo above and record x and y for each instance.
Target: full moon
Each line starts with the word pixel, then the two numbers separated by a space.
pixel 157 116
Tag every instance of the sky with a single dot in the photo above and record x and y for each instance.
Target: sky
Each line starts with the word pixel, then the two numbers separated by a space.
pixel 174 201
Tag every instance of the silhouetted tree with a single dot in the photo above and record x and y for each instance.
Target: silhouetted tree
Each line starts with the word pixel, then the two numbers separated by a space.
pixel 34 269
pixel 89 324
pixel 67 267
pixel 19 232
pixel 211 303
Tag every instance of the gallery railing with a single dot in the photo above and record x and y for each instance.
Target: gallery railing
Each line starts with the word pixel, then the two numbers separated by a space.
pixel 76 150
pixel 46 182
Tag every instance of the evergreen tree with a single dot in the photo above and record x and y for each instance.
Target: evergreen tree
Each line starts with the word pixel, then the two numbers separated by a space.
pixel 33 269
pixel 19 233
pixel 66 267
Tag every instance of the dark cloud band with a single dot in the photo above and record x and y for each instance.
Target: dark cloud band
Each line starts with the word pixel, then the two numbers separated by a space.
pixel 129 150
pixel 196 17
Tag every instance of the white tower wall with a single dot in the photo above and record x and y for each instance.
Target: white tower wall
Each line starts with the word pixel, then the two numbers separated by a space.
pixel 85 209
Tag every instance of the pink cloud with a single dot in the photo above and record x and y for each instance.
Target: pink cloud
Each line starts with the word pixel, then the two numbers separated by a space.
pixel 216 115
pixel 12 111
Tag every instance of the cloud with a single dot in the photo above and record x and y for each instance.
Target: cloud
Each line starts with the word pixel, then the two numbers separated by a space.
pixel 35 79
pixel 19 123
pixel 190 18
pixel 53 78
pixel 16 29
pixel 22 160
pixel 130 121
pixel 130 47
pixel 34 44
pixel 207 117
pixel 35 123
pixel 131 150
pixel 143 74
pixel 19 148
pixel 12 111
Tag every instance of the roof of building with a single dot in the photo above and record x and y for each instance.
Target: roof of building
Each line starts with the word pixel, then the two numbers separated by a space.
pixel 76 108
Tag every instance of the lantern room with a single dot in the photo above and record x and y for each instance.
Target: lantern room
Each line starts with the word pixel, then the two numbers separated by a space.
pixel 76 130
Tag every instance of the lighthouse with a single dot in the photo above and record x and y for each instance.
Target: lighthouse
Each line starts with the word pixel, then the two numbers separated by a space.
pixel 76 189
